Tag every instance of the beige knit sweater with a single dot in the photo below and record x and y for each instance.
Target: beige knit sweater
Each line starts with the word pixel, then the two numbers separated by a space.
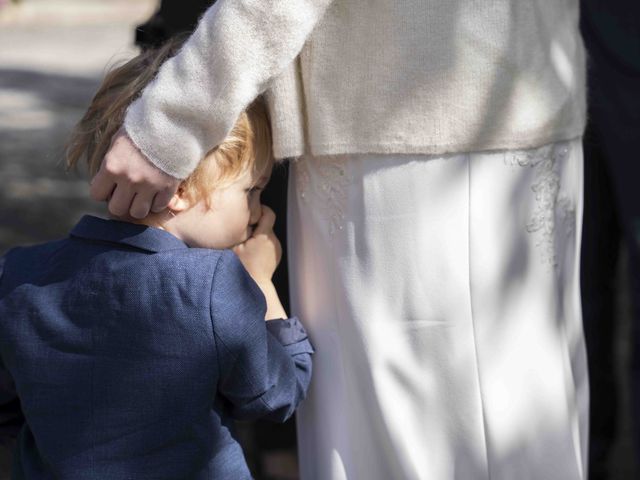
pixel 370 76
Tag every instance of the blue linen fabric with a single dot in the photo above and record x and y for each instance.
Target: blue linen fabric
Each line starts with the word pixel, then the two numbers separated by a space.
pixel 131 353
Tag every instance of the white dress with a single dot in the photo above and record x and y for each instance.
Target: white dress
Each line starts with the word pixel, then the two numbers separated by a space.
pixel 441 294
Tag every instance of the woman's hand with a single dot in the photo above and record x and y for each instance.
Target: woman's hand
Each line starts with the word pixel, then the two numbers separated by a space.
pixel 130 182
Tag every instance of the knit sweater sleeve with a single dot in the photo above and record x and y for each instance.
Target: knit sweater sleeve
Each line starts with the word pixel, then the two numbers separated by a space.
pixel 237 48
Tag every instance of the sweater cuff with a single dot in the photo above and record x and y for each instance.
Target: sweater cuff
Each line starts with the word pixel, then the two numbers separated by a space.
pixel 291 334
pixel 177 169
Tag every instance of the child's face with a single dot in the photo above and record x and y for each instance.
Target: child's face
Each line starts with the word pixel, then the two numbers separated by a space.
pixel 229 217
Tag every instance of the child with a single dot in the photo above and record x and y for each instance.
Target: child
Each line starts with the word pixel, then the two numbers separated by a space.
pixel 133 346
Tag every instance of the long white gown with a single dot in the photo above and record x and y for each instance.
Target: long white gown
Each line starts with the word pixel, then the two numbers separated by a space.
pixel 442 297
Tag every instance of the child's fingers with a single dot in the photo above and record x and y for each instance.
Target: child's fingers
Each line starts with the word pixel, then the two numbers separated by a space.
pixel 266 222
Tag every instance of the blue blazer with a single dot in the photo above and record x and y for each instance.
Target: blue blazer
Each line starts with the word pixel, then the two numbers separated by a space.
pixel 131 353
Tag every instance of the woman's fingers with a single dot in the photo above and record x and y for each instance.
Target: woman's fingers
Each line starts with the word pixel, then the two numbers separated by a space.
pixel 102 186
pixel 121 200
pixel 132 181
pixel 162 198
pixel 141 205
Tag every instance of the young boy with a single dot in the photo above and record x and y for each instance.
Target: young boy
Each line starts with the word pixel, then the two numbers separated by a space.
pixel 132 346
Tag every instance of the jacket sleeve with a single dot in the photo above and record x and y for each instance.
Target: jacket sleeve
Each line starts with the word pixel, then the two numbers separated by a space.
pixel 11 418
pixel 238 47
pixel 264 366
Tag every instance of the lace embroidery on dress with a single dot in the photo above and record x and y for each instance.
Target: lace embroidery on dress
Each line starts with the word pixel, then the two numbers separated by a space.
pixel 551 205
pixel 329 186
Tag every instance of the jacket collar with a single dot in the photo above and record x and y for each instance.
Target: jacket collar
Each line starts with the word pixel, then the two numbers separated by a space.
pixel 138 236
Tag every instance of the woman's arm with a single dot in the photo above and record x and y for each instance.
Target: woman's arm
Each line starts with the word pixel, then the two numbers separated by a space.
pixel 238 47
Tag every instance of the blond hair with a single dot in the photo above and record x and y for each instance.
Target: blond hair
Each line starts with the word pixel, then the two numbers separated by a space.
pixel 248 145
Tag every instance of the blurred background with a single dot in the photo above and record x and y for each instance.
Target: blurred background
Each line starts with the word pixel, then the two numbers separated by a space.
pixel 53 55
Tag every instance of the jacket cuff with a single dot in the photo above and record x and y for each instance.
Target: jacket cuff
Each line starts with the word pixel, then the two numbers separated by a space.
pixel 291 334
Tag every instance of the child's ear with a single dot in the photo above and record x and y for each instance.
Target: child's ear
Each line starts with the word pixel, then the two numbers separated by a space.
pixel 178 203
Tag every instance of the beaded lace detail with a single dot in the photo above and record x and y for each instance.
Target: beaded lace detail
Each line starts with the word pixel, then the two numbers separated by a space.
pixel 329 185
pixel 552 207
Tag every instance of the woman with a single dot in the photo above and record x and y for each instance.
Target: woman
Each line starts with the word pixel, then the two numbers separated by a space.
pixel 435 211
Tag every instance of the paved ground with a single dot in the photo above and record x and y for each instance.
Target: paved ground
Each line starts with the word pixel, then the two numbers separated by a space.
pixel 53 54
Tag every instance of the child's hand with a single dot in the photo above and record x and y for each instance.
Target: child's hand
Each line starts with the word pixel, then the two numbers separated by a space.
pixel 261 253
